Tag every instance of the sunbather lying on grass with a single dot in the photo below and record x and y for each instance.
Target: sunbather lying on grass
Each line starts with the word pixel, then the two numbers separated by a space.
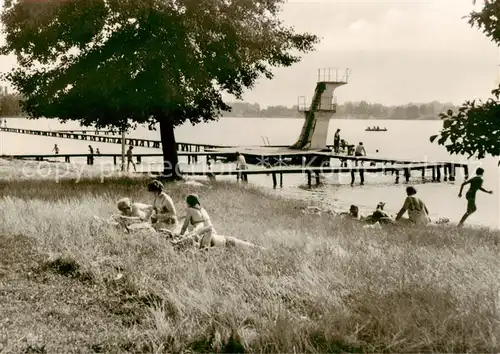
pixel 204 233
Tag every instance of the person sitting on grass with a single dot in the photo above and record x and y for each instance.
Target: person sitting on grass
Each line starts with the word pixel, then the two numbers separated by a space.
pixel 353 213
pixel 379 216
pixel 133 215
pixel 203 230
pixel 134 211
pixel 417 210
pixel 164 214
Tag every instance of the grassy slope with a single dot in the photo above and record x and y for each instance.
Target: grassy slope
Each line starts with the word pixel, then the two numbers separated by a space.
pixel 68 284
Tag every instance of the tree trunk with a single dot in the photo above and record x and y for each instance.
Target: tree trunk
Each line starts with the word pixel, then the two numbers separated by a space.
pixel 170 159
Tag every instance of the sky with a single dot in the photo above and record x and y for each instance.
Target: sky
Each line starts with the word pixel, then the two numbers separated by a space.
pixel 399 52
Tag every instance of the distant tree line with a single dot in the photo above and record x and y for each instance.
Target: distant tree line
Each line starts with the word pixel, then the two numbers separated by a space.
pixel 10 107
pixel 353 110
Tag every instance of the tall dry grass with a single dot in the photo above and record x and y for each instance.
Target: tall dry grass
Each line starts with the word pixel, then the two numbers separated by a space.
pixel 323 285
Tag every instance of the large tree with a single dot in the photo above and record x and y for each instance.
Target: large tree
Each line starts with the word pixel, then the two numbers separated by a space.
pixel 111 62
pixel 474 129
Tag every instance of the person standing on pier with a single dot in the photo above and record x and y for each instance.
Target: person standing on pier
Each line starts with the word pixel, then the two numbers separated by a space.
pixel 130 160
pixel 476 184
pixel 90 157
pixel 97 151
pixel 241 164
pixel 336 142
pixel 55 150
pixel 360 151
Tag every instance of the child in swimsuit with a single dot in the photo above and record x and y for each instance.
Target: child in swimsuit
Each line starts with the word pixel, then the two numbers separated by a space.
pixel 476 184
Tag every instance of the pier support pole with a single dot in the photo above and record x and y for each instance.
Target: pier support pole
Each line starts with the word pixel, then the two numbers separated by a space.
pixel 438 173
pixel 407 174
pixel 445 170
pixel 423 174
pixel 123 131
pixel 281 180
pixel 275 182
pixel 397 176
pixel 452 172
pixel 466 172
pixel 309 178
pixel 317 178
pixel 433 174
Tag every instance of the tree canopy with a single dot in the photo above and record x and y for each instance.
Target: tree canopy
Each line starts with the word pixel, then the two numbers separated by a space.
pixel 109 62
pixel 474 129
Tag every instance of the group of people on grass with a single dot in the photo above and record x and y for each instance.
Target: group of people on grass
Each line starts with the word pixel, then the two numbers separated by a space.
pixel 162 216
pixel 418 214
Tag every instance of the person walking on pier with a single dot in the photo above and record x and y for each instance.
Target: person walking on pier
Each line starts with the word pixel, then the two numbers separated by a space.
pixel 476 184
pixel 55 150
pixel 90 156
pixel 130 160
pixel 241 164
pixel 336 142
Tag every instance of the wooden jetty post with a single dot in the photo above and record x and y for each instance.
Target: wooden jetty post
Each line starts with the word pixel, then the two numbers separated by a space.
pixel 123 132
pixel 407 174
pixel 452 172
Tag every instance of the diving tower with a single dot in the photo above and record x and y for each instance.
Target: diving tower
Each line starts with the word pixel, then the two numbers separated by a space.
pixel 322 108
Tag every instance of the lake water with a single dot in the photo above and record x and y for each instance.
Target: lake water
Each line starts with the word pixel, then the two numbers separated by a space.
pixel 404 139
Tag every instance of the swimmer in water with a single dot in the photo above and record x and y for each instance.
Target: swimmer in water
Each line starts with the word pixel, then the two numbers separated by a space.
pixel 476 184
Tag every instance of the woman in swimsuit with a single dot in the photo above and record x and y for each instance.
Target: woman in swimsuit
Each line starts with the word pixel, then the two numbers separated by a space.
pixel 164 214
pixel 417 210
pixel 476 184
pixel 202 226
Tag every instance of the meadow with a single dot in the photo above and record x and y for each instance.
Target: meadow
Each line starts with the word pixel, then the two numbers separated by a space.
pixel 69 284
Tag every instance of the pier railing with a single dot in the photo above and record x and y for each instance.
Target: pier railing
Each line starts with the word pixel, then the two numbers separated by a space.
pixel 334 75
pixel 326 104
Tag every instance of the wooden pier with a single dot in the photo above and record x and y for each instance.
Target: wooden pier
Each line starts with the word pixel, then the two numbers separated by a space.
pixel 313 163
pixel 449 172
pixel 72 134
pixel 192 156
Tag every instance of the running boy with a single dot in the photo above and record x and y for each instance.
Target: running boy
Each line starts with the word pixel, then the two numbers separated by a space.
pixel 476 184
